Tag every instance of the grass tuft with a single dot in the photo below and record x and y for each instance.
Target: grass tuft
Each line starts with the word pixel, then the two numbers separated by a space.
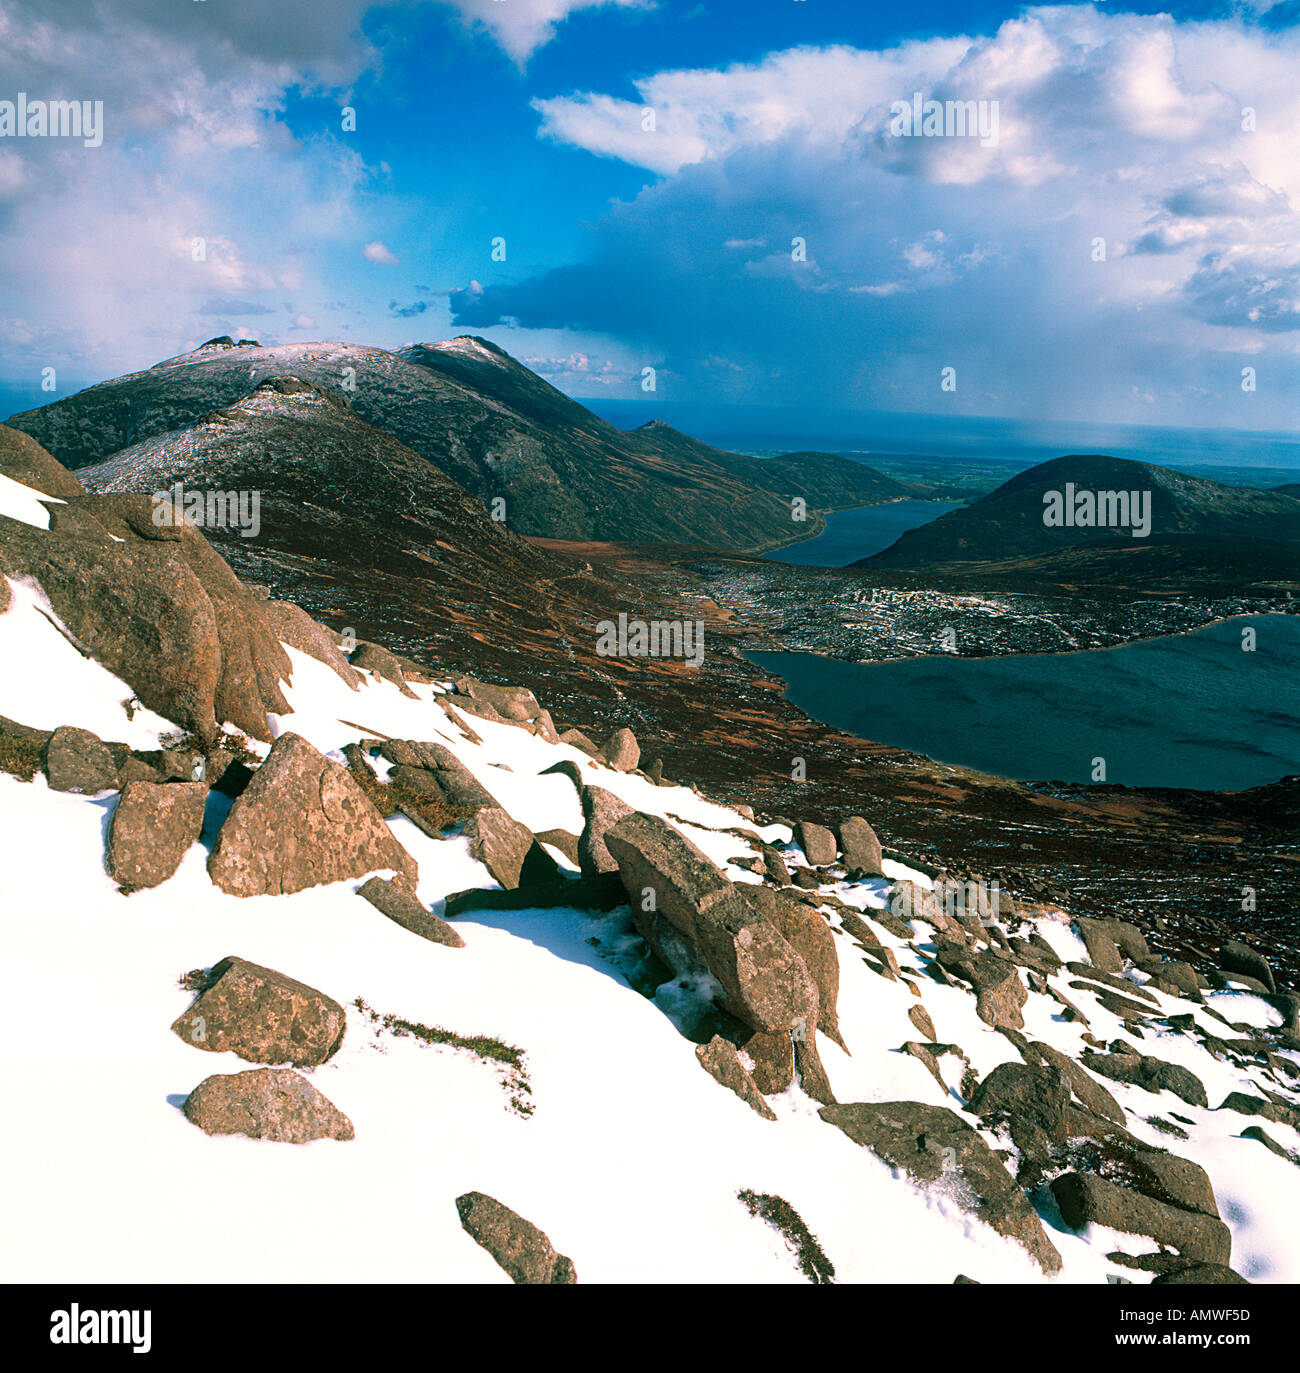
pixel 494 1051
pixel 779 1214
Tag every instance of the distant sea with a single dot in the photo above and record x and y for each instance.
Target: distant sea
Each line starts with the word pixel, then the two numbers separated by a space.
pixel 1190 710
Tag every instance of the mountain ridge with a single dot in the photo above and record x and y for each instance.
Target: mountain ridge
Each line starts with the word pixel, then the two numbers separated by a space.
pixel 1198 529
pixel 490 424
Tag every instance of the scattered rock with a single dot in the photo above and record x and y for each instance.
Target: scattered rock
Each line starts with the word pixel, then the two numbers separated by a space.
pixel 920 1017
pixel 721 1061
pixel 601 811
pixel 396 902
pixel 817 843
pixel 1201 1275
pixel 516 1244
pixel 508 850
pixel 1168 1178
pixel 1176 979
pixel 1085 1199
pixel 293 626
pixel 564 841
pixel 621 750
pixel 1090 1092
pixel 999 991
pixel 600 893
pixel 1275 1111
pixel 1235 957
pixel 922 1053
pixel 265 1103
pixel 152 829
pixel 1103 951
pixel 773 1058
pixel 1261 1136
pixel 76 760
pixel 302 822
pixel 929 1142
pixel 544 727
pixel 860 846
pixel 263 1016
pixel 774 866
pixel 1153 1074
pixel 511 703
pixel 433 769
pixel 575 738
pixel 1030 1100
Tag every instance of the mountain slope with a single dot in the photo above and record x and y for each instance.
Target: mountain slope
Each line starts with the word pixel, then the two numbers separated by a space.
pixel 979 1148
pixel 1198 529
pixel 487 422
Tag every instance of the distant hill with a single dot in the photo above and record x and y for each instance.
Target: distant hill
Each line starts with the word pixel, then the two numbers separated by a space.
pixel 1199 530
pixel 492 426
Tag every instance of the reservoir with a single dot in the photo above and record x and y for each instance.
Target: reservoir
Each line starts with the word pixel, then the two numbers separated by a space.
pixel 853 534
pixel 1191 710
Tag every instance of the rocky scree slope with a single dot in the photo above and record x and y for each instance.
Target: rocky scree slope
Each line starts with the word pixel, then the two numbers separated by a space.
pixel 1037 1096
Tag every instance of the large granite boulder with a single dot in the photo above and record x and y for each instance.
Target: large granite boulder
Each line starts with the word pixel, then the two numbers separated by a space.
pixel 1086 1199
pixel 509 850
pixel 601 811
pixel 765 983
pixel 263 1016
pixel 150 599
pixel 77 761
pixel 301 822
pixel 658 864
pixel 932 1143
pixel 721 1061
pixel 152 829
pixel 808 934
pixel 817 843
pixel 275 1104
pixel 860 847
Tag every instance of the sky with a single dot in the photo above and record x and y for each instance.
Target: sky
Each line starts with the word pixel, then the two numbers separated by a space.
pixel 723 193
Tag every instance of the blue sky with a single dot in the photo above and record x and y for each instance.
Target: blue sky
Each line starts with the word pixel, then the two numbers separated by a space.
pixel 674 248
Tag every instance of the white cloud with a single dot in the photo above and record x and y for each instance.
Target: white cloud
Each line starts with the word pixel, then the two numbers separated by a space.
pixel 99 245
pixel 523 26
pixel 924 251
pixel 376 252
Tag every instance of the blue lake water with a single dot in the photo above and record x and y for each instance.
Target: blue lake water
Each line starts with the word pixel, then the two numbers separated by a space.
pixel 853 534
pixel 1192 710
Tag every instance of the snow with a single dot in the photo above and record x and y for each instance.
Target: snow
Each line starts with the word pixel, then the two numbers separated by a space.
pixel 23 503
pixel 633 1156
pixel 51 683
